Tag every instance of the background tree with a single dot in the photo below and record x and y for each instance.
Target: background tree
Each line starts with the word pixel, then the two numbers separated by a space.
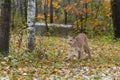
pixel 116 18
pixel 46 12
pixel 5 27
pixel 51 11
pixel 65 13
pixel 31 15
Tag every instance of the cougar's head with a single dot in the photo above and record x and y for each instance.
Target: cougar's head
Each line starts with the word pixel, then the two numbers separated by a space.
pixel 70 40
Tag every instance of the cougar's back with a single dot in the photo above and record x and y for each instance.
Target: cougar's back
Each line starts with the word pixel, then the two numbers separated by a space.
pixel 80 41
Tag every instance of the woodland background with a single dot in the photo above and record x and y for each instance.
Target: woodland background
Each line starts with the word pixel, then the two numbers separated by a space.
pixel 99 19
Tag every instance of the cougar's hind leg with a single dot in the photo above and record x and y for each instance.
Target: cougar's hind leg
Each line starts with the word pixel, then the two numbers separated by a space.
pixel 87 50
pixel 79 54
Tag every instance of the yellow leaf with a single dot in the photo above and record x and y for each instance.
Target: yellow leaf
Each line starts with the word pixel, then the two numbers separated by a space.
pixel 98 66
pixel 56 71
pixel 111 64
pixel 106 4
pixel 56 5
pixel 59 0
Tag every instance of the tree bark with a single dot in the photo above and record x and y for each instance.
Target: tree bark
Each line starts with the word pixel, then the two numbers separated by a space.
pixel 25 11
pixel 51 11
pixel 65 14
pixel 116 17
pixel 13 8
pixel 31 19
pixel 45 13
pixel 5 27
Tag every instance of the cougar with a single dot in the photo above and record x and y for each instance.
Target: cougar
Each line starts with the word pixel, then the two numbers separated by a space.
pixel 79 43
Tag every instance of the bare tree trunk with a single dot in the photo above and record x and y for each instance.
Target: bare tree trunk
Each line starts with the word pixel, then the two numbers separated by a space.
pixel 5 27
pixel 31 14
pixel 51 11
pixel 86 14
pixel 65 14
pixel 82 29
pixel 13 15
pixel 21 8
pixel 25 9
pixel 45 13
pixel 116 18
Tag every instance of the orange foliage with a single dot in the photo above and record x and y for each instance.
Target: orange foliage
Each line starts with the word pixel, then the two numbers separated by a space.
pixel 67 8
pixel 43 2
pixel 87 1
pixel 106 4
pixel 39 16
pixel 84 10
pixel 75 11
pixel 48 3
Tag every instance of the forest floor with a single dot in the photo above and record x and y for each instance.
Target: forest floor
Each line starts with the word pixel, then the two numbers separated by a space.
pixel 47 62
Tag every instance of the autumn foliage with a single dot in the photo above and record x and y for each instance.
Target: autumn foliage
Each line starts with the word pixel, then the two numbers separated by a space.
pixel 84 13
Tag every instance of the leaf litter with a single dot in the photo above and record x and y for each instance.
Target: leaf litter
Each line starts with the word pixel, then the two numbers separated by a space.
pixel 47 62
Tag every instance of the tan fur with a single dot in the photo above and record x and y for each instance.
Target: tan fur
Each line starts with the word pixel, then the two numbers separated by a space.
pixel 80 42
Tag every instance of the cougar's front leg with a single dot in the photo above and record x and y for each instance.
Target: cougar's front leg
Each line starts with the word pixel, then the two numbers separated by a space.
pixel 79 55
pixel 70 54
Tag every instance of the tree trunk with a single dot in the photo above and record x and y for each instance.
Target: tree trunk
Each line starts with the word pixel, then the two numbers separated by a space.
pixel 5 27
pixel 116 18
pixel 25 10
pixel 51 11
pixel 21 8
pixel 13 8
pixel 45 13
pixel 31 14
pixel 65 14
